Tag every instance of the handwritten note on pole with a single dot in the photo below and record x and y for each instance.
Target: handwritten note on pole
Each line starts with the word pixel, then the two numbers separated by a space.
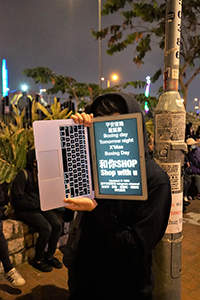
pixel 175 218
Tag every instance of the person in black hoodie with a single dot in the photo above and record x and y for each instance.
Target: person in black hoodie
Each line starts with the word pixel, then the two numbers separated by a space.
pixel 26 203
pixel 10 273
pixel 115 238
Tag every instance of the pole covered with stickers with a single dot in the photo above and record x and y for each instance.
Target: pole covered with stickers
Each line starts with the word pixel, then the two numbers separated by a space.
pixel 170 119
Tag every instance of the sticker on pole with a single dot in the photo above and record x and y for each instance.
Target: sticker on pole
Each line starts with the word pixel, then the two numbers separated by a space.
pixel 170 127
pixel 175 218
pixel 174 172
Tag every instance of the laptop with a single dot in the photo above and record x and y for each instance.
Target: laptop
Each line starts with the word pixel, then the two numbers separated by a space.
pixel 106 161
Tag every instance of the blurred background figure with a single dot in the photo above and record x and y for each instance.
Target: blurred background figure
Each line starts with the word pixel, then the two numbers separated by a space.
pixel 189 132
pixel 193 156
pixel 25 102
pixel 69 104
pixel 26 203
pixel 197 135
pixel 150 145
pixel 187 182
pixel 10 273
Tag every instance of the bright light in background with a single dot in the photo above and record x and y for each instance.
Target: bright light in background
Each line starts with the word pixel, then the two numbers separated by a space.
pixel 42 91
pixel 5 88
pixel 114 77
pixel 148 80
pixel 146 107
pixel 24 87
pixel 197 107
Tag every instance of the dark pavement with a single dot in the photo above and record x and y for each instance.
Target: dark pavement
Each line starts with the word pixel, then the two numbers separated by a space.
pixel 53 285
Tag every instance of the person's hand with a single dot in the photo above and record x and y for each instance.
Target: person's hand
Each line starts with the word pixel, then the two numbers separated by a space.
pixel 82 119
pixel 80 204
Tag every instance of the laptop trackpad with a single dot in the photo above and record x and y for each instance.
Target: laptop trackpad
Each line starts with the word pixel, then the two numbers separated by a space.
pixel 49 164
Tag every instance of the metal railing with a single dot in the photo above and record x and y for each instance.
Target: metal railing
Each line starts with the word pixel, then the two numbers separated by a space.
pixel 7 113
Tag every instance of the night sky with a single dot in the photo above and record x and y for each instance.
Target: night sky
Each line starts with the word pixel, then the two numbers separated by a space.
pixel 57 34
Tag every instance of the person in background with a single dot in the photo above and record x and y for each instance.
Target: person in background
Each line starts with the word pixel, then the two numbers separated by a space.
pixel 187 182
pixel 189 132
pixel 197 135
pixel 10 273
pixel 193 156
pixel 6 107
pixel 25 102
pixel 150 145
pixel 114 239
pixel 26 203
pixel 69 104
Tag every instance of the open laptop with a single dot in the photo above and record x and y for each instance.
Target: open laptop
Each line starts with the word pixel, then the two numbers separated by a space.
pixel 72 159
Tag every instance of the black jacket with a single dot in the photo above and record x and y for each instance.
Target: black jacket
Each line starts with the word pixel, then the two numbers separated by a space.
pixel 2 202
pixel 114 255
pixel 24 192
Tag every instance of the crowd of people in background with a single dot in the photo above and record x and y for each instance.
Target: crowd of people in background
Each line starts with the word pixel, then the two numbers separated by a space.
pixel 191 170
pixel 25 102
pixel 191 186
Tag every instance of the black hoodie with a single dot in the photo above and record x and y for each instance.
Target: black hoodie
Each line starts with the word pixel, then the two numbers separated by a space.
pixel 2 202
pixel 114 254
pixel 24 191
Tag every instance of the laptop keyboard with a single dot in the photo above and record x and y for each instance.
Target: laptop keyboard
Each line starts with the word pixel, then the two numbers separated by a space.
pixel 74 158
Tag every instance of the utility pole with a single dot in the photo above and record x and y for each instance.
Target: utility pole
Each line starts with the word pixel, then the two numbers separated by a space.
pixel 100 55
pixel 170 145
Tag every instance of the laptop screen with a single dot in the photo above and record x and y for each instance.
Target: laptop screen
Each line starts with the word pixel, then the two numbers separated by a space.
pixel 118 157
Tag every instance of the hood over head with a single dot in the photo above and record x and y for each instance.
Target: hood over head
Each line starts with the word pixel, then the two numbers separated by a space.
pixel 30 157
pixel 129 104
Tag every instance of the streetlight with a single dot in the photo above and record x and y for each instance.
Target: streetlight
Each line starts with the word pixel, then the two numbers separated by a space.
pixel 24 87
pixel 42 91
pixel 107 81
pixel 197 107
pixel 114 77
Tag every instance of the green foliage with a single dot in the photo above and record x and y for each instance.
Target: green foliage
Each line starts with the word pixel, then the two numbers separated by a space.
pixel 14 143
pixel 40 74
pixel 80 91
pixel 56 111
pixel 141 98
pixel 65 84
pixel 143 24
pixel 156 75
pixel 19 118
pixel 136 84
pixel 16 140
pixel 150 127
pixel 61 83
pixel 140 20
